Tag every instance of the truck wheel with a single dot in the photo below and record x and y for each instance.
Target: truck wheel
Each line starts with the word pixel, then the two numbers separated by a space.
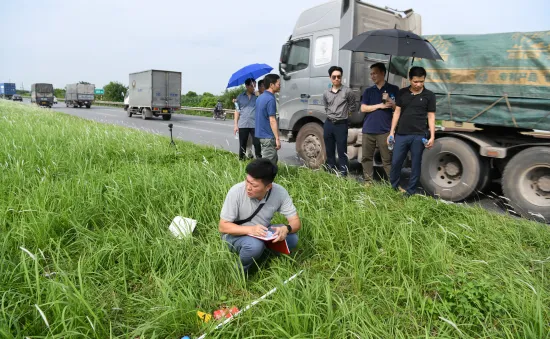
pixel 166 116
pixel 88 106
pixel 125 107
pixel 310 145
pixel 67 104
pixel 144 113
pixel 129 113
pixel 526 182
pixel 451 169
pixel 485 175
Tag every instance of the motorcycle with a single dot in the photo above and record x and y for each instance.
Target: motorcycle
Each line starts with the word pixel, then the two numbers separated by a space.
pixel 219 114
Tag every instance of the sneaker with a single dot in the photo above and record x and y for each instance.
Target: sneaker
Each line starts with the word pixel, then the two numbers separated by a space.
pixel 400 189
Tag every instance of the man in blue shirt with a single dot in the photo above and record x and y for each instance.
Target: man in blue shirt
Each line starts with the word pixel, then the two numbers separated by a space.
pixel 266 122
pixel 245 117
pixel 378 102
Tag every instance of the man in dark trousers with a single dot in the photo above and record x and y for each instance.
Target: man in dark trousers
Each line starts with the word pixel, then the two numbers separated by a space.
pixel 414 118
pixel 378 102
pixel 339 101
pixel 245 119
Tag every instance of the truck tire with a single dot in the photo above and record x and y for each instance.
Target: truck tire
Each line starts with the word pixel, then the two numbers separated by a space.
pixel 310 145
pixel 129 113
pixel 125 107
pixel 485 175
pixel 451 170
pixel 526 183
pixel 352 136
pixel 88 106
pixel 144 113
pixel 166 116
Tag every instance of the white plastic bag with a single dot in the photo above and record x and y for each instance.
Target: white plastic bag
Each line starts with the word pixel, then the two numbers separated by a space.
pixel 182 227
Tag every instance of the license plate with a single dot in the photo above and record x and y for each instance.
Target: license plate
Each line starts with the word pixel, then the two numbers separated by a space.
pixel 44 103
pixel 164 111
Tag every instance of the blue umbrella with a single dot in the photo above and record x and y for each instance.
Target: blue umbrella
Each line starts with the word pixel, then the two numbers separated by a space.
pixel 251 71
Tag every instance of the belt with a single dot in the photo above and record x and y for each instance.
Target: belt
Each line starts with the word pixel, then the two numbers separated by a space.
pixel 337 121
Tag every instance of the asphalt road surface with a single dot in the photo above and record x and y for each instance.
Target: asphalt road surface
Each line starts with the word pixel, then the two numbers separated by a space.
pixel 218 133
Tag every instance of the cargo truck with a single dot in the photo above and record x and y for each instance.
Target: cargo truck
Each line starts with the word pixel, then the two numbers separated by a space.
pixel 7 90
pixel 493 101
pixel 42 94
pixel 78 95
pixel 493 97
pixel 154 93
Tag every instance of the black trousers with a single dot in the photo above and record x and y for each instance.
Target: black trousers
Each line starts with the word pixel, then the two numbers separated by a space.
pixel 336 139
pixel 244 134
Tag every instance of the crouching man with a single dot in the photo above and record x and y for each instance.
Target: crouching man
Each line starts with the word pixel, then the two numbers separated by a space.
pixel 248 209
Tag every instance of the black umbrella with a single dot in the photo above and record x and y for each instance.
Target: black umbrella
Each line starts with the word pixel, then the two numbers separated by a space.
pixel 393 42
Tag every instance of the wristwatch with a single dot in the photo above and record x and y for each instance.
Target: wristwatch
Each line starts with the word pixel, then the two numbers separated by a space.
pixel 289 228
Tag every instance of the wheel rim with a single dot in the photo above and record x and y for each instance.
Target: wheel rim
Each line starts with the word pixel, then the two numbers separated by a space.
pixel 534 184
pixel 312 148
pixel 447 170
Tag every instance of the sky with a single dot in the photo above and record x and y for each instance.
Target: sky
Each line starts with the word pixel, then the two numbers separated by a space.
pixel 63 42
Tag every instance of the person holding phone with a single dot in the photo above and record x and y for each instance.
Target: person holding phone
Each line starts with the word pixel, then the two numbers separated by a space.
pixel 378 102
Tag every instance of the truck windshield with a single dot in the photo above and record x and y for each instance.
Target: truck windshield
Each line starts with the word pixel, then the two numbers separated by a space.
pixel 298 57
pixel 44 88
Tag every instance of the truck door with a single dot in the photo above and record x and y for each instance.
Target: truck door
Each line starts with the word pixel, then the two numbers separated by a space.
pixel 295 91
pixel 160 89
pixel 174 89
pixel 323 56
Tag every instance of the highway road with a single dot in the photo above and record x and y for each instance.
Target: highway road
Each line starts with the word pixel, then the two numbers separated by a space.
pixel 217 133
pixel 196 129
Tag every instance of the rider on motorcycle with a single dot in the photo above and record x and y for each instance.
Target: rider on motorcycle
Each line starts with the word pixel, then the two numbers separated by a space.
pixel 218 110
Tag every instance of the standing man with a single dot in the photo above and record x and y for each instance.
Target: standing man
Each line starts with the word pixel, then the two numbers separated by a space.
pixel 338 101
pixel 243 201
pixel 378 102
pixel 245 118
pixel 261 87
pixel 266 122
pixel 414 118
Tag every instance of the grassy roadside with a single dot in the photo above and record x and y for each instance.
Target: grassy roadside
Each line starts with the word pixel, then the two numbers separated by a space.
pixel 93 202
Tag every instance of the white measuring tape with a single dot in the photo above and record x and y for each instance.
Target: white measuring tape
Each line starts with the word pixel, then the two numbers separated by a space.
pixel 250 305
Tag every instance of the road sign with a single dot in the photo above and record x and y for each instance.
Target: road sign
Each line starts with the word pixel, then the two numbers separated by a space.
pixel 99 91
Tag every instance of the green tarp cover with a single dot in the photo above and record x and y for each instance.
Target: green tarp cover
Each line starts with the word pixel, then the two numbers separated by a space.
pixel 493 79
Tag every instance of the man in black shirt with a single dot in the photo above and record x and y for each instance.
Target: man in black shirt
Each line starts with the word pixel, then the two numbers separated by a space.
pixel 414 118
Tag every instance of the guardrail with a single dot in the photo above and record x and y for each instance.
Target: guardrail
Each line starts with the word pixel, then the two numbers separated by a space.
pixel 183 108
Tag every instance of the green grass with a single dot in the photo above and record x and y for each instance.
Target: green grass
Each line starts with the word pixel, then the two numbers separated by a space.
pixel 93 202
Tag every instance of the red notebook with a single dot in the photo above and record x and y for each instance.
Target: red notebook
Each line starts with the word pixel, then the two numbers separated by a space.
pixel 279 246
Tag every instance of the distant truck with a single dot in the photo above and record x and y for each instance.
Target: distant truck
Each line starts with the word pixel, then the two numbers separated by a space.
pixel 7 90
pixel 153 93
pixel 78 95
pixel 42 94
pixel 493 94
